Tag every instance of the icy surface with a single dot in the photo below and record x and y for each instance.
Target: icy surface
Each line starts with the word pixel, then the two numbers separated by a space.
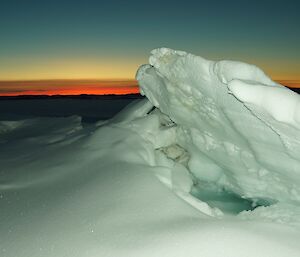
pixel 212 171
pixel 240 128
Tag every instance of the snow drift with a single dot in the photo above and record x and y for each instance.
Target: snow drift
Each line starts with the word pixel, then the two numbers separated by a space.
pixel 207 165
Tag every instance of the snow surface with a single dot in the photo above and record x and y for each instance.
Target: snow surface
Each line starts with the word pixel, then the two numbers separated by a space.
pixel 208 166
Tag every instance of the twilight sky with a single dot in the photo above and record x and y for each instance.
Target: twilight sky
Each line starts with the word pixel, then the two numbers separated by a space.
pixel 109 39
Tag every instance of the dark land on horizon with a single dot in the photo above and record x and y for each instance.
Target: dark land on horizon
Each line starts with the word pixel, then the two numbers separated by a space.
pixel 91 108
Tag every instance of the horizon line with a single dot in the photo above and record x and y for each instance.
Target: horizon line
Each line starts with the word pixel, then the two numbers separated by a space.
pixel 107 79
pixel 82 94
pixel 75 87
pixel 79 79
pixel 62 95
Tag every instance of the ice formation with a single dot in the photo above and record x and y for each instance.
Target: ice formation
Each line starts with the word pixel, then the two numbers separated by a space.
pixel 207 165
pixel 240 128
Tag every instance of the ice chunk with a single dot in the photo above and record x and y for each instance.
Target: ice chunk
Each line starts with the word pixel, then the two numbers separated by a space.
pixel 240 128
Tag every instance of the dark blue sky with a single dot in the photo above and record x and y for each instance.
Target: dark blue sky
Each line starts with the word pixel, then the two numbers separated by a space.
pixel 104 39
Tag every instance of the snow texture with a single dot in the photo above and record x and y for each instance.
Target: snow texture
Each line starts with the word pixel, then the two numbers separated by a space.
pixel 208 166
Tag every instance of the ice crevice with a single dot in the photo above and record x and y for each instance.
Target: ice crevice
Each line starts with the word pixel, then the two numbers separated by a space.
pixel 234 130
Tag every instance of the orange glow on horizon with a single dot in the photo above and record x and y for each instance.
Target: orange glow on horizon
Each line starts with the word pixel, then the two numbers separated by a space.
pixel 290 83
pixel 78 87
pixel 68 87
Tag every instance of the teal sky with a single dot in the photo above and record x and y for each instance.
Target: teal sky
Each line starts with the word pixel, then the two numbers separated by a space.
pixel 110 39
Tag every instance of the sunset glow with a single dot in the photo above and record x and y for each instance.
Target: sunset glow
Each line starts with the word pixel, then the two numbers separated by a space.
pixel 78 87
pixel 68 87
pixel 290 83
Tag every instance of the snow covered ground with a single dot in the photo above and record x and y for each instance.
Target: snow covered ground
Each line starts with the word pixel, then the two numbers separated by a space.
pixel 209 166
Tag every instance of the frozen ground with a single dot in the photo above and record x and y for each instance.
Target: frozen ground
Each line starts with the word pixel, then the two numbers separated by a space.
pixel 212 171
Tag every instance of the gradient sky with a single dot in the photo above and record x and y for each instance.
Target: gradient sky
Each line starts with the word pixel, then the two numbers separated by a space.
pixel 110 39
